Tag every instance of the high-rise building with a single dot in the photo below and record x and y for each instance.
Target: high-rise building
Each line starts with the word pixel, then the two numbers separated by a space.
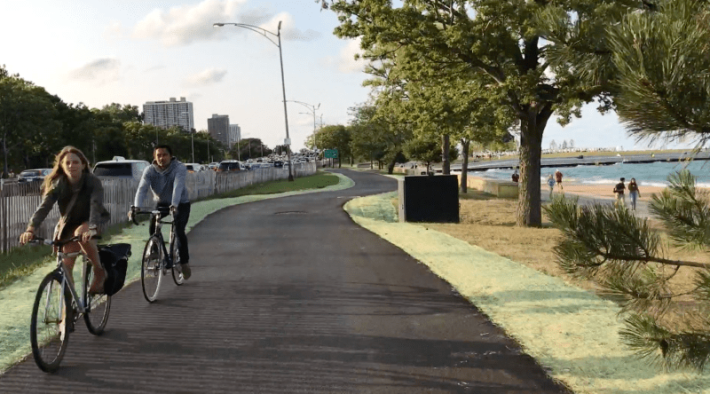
pixel 218 127
pixel 235 134
pixel 166 114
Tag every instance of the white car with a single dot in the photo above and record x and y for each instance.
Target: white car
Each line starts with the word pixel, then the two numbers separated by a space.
pixel 194 167
pixel 119 167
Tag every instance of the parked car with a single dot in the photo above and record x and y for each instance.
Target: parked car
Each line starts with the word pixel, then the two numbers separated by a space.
pixel 279 164
pixel 230 166
pixel 194 167
pixel 119 167
pixel 33 175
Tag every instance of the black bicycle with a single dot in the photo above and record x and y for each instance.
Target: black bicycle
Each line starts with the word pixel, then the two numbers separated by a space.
pixel 58 306
pixel 156 260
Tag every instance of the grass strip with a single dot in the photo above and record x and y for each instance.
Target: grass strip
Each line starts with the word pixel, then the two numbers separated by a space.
pixel 318 181
pixel 17 297
pixel 571 332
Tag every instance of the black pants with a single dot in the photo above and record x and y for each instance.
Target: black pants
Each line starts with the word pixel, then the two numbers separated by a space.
pixel 181 217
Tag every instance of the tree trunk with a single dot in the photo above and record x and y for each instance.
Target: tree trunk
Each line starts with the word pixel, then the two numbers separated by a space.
pixel 390 166
pixel 464 167
pixel 445 162
pixel 531 128
pixel 371 166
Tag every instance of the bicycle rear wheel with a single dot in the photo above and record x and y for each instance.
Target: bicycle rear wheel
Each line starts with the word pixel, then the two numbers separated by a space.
pixel 97 306
pixel 151 268
pixel 177 269
pixel 51 321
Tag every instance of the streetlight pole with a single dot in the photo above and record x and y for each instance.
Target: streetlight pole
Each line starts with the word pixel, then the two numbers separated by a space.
pixel 264 32
pixel 312 108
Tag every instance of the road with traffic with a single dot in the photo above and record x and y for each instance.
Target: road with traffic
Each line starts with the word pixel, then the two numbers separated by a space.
pixel 290 296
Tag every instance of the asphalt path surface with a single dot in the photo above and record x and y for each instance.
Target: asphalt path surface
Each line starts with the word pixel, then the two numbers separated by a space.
pixel 288 295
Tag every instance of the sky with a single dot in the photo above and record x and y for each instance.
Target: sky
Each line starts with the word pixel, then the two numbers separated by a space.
pixel 134 51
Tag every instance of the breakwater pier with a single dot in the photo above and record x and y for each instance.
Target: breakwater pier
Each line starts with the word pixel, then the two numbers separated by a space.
pixel 584 160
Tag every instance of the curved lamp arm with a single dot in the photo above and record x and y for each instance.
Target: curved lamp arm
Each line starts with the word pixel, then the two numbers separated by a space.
pixel 311 107
pixel 256 29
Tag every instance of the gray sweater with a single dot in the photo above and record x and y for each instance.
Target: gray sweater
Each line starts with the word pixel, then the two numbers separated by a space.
pixel 87 207
pixel 168 186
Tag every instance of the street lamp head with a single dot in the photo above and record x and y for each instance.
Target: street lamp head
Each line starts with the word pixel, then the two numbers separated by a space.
pixel 217 24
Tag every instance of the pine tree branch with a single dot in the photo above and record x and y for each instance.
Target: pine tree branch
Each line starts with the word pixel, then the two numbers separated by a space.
pixel 650 259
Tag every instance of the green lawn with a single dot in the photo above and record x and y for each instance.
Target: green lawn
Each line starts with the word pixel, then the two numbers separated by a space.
pixel 318 181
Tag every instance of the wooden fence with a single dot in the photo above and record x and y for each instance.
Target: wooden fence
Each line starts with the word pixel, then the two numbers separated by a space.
pixel 18 201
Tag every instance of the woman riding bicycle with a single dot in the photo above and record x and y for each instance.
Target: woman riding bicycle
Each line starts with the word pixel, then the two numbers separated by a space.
pixel 79 195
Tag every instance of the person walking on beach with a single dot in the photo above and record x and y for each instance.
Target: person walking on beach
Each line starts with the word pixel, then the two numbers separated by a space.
pixel 634 193
pixel 551 183
pixel 619 190
pixel 558 180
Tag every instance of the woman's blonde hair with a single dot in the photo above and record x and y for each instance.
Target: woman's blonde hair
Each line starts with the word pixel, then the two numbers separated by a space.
pixel 58 171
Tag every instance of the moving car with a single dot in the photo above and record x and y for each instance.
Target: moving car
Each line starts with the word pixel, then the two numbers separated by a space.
pixel 33 175
pixel 230 166
pixel 119 167
pixel 194 167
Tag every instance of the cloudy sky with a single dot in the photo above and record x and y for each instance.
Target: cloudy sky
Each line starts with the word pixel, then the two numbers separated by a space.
pixel 133 51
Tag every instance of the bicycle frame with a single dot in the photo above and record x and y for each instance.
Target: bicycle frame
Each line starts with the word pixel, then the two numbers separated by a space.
pixel 66 280
pixel 158 216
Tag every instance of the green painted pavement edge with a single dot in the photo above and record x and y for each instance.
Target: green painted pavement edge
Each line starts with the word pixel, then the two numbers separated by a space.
pixel 571 332
pixel 17 298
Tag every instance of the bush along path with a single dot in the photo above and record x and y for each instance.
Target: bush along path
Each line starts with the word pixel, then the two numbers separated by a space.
pixel 16 299
pixel 571 332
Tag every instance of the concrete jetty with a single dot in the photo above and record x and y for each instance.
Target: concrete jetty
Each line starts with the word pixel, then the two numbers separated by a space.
pixel 582 160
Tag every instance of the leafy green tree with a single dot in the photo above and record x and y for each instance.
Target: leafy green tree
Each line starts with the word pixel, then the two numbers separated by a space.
pixel 367 132
pixel 27 118
pixel 336 137
pixel 249 148
pixel 542 57
pixel 427 151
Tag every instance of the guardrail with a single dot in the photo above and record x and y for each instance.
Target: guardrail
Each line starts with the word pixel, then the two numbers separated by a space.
pixel 18 201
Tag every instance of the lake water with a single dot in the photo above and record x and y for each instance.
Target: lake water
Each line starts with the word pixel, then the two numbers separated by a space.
pixel 649 174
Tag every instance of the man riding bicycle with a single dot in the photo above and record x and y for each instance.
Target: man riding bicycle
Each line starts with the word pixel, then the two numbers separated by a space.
pixel 166 179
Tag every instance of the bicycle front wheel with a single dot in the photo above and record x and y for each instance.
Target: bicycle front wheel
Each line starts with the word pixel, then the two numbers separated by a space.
pixel 97 306
pixel 151 268
pixel 177 270
pixel 51 321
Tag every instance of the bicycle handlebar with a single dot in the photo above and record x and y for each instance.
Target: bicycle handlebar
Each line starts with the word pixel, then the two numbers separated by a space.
pixel 161 212
pixel 58 243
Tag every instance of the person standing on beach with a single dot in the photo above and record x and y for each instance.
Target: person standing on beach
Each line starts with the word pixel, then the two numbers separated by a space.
pixel 558 180
pixel 551 183
pixel 634 192
pixel 619 190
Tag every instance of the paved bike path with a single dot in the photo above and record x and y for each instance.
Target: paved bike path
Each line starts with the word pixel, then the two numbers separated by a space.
pixel 289 295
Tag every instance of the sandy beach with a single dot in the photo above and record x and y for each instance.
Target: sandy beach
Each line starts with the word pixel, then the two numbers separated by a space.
pixel 605 191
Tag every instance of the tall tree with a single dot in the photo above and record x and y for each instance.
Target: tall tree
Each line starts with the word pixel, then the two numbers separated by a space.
pixel 337 137
pixel 542 56
pixel 26 114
